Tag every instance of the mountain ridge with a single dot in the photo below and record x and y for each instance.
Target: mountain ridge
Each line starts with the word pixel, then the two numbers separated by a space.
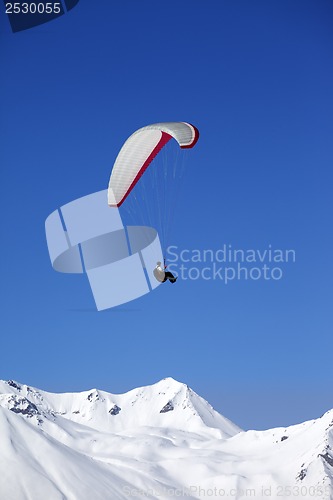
pixel 154 441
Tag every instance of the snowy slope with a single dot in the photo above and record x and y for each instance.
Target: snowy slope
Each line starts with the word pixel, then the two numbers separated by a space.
pixel 159 441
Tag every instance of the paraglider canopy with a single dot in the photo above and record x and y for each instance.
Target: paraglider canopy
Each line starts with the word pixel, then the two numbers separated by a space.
pixel 139 151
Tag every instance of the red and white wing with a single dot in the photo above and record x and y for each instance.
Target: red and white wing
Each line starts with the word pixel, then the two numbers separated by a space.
pixel 139 151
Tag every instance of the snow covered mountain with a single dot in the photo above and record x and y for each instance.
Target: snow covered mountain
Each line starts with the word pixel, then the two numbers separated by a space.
pixel 159 441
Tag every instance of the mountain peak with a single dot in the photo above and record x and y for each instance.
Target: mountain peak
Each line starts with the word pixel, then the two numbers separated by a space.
pixel 167 403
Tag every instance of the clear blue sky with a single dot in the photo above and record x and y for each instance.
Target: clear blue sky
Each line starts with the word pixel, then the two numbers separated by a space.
pixel 256 77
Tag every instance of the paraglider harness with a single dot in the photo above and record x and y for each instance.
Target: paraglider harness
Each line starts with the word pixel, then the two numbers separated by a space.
pixel 167 275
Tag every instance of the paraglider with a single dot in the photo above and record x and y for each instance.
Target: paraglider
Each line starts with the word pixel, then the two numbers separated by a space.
pixel 162 275
pixel 132 161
